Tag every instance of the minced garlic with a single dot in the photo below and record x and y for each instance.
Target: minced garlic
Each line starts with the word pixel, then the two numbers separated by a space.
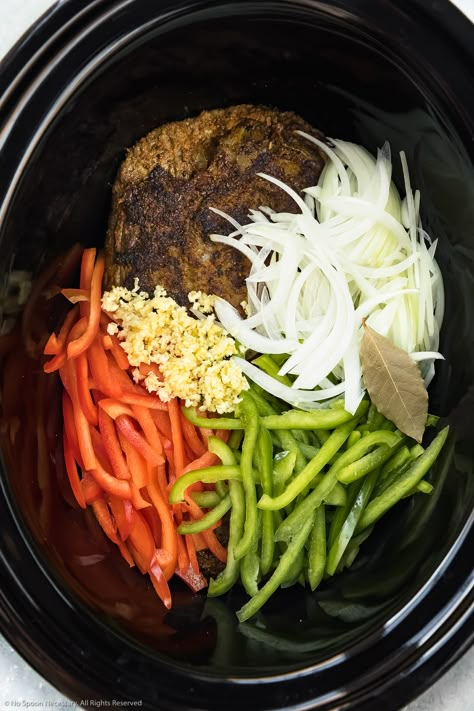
pixel 204 303
pixel 193 355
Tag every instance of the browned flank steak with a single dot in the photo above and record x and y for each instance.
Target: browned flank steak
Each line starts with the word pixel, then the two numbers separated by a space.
pixel 160 221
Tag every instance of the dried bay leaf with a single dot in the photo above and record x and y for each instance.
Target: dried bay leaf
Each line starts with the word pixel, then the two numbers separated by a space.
pixel 394 383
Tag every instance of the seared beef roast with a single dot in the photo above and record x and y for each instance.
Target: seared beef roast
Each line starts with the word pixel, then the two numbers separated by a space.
pixel 160 221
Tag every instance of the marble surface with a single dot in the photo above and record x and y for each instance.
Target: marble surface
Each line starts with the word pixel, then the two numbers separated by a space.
pixel 20 685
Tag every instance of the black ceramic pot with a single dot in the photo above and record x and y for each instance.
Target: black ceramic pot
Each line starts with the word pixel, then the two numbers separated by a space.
pixel 90 79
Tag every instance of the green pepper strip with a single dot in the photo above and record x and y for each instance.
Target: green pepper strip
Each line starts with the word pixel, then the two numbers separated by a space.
pixel 322 436
pixel 208 475
pixel 308 450
pixel 365 465
pixel 423 487
pixel 265 457
pixel 249 416
pixel 250 563
pixel 289 527
pixel 353 549
pixel 268 365
pixel 298 420
pixel 348 527
pixel 226 580
pixel 341 514
pixel 221 423
pixel 221 449
pixel 377 507
pixel 327 451
pixel 398 459
pixel 317 548
pixel 287 441
pixel 337 496
pixel 208 519
pixel 235 439
pixel 352 464
pixel 280 574
pixel 354 437
pixel 283 467
pixel 294 571
pixel 206 499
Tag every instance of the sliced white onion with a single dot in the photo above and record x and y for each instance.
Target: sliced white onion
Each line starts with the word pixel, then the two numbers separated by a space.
pixel 353 251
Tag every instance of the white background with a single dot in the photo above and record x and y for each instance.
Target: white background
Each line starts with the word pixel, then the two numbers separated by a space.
pixel 18 682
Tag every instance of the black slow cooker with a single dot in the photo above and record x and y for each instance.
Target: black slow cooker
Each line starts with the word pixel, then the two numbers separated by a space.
pixel 89 80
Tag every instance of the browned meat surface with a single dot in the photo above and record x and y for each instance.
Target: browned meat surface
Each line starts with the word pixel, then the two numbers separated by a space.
pixel 160 221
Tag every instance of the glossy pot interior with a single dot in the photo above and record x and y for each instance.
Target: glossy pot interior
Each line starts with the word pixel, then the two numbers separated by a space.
pixel 102 76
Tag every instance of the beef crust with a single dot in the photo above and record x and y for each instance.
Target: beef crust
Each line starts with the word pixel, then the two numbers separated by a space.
pixel 160 220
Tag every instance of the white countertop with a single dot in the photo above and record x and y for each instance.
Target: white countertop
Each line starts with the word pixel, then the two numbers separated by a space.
pixel 18 681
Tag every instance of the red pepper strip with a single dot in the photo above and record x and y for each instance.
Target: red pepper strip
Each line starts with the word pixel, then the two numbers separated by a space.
pixel 114 408
pixel 87 268
pixel 107 342
pixel 75 295
pixel 169 535
pixel 193 581
pixel 83 342
pixel 68 375
pixel 183 558
pixel 137 499
pixel 143 544
pixel 223 435
pixel 176 436
pixel 72 473
pixel 191 437
pixel 205 433
pixel 109 483
pixel 152 402
pixel 99 366
pixel 199 542
pixel 118 353
pixel 145 421
pixel 189 454
pixel 136 464
pixel 59 360
pixel 70 428
pixel 123 513
pixel 147 368
pixel 171 470
pixel 160 584
pixel 192 553
pixel 126 554
pixel 214 546
pixel 163 557
pixel 132 393
pixel 57 343
pixel 90 487
pixel 162 422
pixel 154 524
pixel 83 391
pixel 99 449
pixel 55 363
pixel 127 428
pixel 102 514
pixel 112 445
pixel 206 460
